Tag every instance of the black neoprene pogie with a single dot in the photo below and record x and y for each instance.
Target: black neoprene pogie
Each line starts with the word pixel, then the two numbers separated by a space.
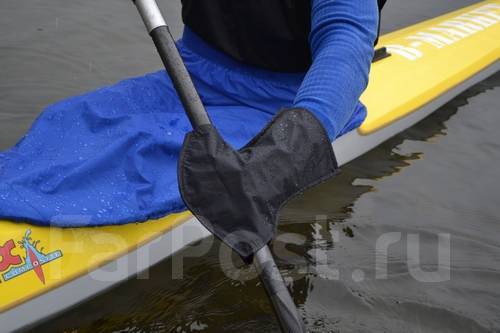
pixel 237 194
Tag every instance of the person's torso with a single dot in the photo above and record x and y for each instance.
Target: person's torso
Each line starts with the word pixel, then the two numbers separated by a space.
pixel 270 34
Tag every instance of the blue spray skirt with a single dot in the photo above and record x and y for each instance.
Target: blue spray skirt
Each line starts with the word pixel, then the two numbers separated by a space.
pixel 110 156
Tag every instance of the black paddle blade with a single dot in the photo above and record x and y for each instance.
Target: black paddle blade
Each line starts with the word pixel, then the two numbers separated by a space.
pixel 237 194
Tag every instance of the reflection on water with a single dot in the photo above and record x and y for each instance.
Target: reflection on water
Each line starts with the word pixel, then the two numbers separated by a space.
pixel 440 176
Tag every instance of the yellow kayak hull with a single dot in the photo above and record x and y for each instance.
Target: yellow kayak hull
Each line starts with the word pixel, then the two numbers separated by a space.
pixel 428 59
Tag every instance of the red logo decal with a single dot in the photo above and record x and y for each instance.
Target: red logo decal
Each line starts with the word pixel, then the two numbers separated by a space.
pixel 6 257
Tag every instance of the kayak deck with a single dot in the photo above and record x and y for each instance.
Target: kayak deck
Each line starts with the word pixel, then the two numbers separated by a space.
pixel 427 61
pixel 81 250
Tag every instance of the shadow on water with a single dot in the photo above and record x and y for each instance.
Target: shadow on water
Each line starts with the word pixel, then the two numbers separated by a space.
pixel 330 234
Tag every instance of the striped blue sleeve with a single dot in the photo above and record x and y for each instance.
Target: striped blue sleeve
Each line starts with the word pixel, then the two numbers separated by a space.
pixel 342 37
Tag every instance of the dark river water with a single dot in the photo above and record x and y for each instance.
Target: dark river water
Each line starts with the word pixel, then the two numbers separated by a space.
pixel 434 187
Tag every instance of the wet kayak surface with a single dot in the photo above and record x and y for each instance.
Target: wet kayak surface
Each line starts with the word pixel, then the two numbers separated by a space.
pixel 366 252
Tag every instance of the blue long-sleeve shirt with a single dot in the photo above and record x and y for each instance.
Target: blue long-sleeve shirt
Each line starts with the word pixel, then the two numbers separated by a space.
pixel 342 37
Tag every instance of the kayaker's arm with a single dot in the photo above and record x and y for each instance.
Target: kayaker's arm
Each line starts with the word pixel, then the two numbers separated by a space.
pixel 342 36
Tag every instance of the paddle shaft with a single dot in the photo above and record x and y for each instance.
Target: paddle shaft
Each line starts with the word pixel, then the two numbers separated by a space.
pixel 172 61
pixel 283 305
pixel 289 318
pixel 277 291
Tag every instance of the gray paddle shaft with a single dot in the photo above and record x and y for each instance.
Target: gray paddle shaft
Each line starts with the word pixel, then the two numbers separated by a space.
pixel 275 286
pixel 172 61
pixel 283 305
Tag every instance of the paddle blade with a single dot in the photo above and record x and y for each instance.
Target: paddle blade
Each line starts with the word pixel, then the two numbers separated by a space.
pixel 237 194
